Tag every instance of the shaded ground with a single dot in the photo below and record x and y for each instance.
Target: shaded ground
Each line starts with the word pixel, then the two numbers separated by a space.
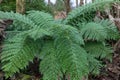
pixel 111 71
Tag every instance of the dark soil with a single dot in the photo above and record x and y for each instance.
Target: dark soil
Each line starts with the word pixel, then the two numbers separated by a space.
pixel 111 71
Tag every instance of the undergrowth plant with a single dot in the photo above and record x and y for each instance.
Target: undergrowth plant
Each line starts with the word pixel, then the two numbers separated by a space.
pixel 74 48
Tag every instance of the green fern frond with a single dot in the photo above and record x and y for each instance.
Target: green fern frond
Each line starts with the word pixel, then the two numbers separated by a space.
pixel 59 46
pixel 20 20
pixel 69 53
pixel 49 65
pixel 50 68
pixel 17 53
pixel 94 65
pixel 69 32
pixel 72 57
pixel 93 31
pixel 43 21
pixel 98 50
pixel 86 12
pixel 110 28
pixel 80 25
pixel 38 33
pixel 41 18
pixel 9 34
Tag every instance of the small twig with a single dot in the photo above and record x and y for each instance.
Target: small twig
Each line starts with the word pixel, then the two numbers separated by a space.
pixel 1 1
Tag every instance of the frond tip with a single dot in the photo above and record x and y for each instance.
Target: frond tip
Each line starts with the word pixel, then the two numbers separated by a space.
pixel 72 58
pixel 17 54
pixel 50 66
pixel 98 50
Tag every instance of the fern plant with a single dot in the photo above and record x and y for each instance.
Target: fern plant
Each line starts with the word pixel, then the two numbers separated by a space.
pixel 36 36
pixel 65 49
pixel 86 13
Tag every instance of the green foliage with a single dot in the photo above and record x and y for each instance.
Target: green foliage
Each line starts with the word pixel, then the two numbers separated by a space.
pixel 98 49
pixel 112 31
pixel 10 5
pixel 101 30
pixel 21 22
pixel 52 69
pixel 86 13
pixel 41 20
pixel 93 31
pixel 70 53
pixel 13 52
pixel 73 51
pixel 66 43
pixel 94 65
pixel 58 6
pixel 35 5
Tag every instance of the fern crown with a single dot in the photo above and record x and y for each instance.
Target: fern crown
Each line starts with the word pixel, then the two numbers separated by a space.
pixel 71 48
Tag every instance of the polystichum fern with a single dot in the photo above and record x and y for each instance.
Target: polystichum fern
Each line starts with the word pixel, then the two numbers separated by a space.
pixel 63 49
pixel 86 13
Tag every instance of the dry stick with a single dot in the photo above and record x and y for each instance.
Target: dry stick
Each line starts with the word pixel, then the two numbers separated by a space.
pixel 20 6
pixel 85 1
pixel 76 3
pixel 84 78
pixel 116 21
pixel 117 8
pixel 81 2
pixel 49 2
pixel 59 77
pixel 67 5
pixel 98 14
pixel 1 1
pixel 93 0
pixel 68 77
pixel 109 15
pixel 64 77
pixel 116 47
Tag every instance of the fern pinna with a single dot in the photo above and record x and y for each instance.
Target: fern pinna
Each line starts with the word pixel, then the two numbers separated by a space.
pixel 64 49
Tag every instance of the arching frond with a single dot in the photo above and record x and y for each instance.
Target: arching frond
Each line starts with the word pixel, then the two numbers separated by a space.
pixel 63 49
pixel 86 12
pixel 9 34
pixel 21 22
pixel 68 32
pixel 71 56
pixel 43 20
pixel 110 28
pixel 94 65
pixel 38 33
pixel 17 53
pixel 93 31
pixel 98 50
pixel 50 66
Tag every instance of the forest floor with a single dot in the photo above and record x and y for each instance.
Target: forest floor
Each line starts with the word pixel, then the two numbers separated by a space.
pixel 111 71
